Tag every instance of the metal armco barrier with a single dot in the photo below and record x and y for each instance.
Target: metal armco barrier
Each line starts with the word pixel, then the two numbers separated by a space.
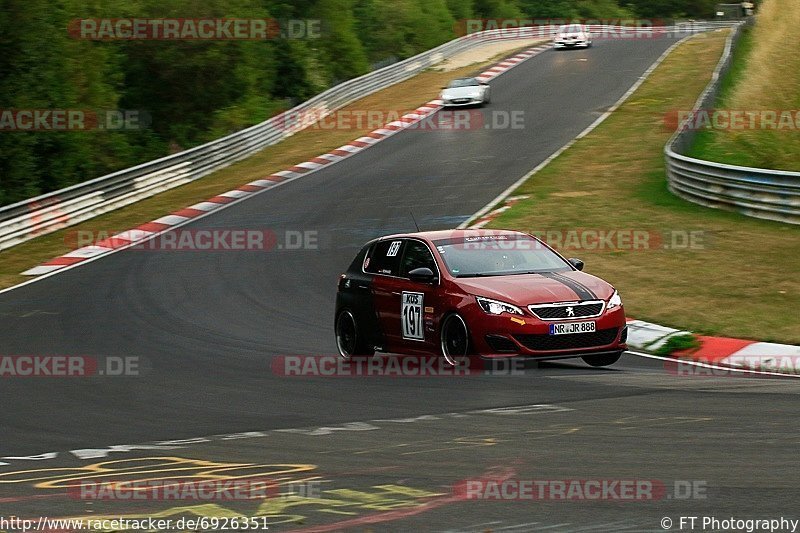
pixel 50 212
pixel 755 192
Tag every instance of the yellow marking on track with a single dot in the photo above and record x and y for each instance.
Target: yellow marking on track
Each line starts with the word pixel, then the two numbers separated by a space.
pixel 151 469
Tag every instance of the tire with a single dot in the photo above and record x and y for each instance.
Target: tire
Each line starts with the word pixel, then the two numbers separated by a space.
pixel 349 341
pixel 455 344
pixel 605 359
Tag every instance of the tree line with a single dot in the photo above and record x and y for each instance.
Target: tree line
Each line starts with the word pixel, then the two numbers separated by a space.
pixel 192 91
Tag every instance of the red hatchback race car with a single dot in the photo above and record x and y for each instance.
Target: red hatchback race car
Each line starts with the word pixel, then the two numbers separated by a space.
pixel 459 293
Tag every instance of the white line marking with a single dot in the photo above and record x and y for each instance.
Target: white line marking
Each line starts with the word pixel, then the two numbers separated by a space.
pixel 285 174
pixel 88 251
pixel 262 183
pixel 330 157
pixel 205 206
pixel 167 219
pixel 310 165
pixel 234 194
pixel 41 270
pixel 711 366
pixel 133 234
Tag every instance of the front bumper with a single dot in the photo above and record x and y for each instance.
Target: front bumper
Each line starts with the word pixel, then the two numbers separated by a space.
pixel 571 44
pixel 462 102
pixel 510 335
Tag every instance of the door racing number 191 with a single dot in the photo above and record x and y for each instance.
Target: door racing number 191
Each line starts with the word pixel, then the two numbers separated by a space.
pixel 411 316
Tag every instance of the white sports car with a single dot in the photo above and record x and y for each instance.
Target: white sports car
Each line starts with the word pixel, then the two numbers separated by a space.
pixel 572 36
pixel 464 92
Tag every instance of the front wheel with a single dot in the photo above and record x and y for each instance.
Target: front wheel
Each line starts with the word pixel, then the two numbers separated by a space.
pixel 349 340
pixel 455 343
pixel 605 359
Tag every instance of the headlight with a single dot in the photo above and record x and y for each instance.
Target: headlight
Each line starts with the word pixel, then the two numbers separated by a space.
pixel 493 307
pixel 615 301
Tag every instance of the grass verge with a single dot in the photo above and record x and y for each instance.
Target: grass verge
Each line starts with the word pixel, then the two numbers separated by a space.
pixel 305 145
pixel 736 280
pixel 763 77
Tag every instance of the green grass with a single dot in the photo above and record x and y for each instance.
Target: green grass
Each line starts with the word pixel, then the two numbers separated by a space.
pixel 707 142
pixel 764 76
pixel 741 282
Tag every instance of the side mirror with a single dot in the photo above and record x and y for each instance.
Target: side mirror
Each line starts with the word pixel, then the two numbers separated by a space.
pixel 422 275
pixel 577 263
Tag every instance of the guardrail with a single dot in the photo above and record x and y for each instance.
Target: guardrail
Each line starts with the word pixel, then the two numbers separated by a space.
pixel 50 212
pixel 755 192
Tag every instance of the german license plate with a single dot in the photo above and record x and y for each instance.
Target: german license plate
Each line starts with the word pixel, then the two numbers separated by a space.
pixel 572 328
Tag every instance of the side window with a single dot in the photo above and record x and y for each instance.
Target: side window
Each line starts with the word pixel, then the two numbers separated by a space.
pixel 416 255
pixel 385 258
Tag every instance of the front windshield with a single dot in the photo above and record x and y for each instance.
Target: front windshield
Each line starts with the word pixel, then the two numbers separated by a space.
pixel 571 28
pixel 463 82
pixel 497 255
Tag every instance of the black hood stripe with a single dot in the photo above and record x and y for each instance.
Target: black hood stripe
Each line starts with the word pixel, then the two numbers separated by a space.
pixel 582 291
pixel 590 292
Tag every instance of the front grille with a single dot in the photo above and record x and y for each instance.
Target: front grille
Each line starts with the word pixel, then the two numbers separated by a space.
pixel 568 342
pixel 461 100
pixel 562 311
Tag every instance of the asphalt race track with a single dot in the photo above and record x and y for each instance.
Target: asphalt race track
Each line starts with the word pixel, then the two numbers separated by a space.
pixel 385 452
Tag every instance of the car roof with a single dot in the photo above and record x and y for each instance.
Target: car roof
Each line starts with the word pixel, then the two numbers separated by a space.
pixel 451 234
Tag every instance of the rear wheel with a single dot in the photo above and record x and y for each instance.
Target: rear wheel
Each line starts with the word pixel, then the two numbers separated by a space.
pixel 455 343
pixel 349 340
pixel 605 359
